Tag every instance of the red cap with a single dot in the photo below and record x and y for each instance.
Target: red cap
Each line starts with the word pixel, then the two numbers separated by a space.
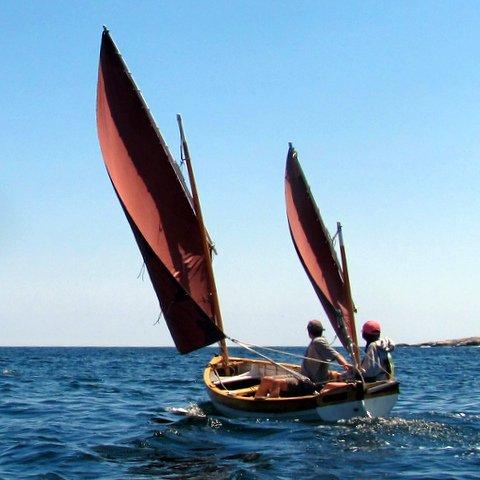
pixel 371 327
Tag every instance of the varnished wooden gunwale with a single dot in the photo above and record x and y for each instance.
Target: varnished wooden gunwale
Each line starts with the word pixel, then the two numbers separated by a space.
pixel 236 399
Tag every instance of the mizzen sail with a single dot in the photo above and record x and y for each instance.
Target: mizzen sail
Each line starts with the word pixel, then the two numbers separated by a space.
pixel 315 250
pixel 156 203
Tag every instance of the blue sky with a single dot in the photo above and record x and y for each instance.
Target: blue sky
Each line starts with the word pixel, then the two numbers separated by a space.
pixel 381 100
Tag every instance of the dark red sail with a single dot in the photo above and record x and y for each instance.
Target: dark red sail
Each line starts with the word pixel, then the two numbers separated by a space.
pixel 315 250
pixel 156 203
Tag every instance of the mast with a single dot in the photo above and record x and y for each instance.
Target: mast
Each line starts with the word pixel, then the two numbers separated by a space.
pixel 348 294
pixel 205 244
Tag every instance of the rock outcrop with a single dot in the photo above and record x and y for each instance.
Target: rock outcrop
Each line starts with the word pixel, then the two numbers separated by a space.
pixel 459 342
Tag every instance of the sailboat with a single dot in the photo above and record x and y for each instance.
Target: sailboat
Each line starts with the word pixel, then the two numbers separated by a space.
pixel 166 220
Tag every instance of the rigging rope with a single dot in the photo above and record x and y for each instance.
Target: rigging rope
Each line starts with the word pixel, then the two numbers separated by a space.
pixel 248 346
pixel 141 273
pixel 332 239
pixel 160 315
pixel 283 367
pixel 334 338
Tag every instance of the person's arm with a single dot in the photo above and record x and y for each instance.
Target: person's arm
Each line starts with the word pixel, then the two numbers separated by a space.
pixel 341 360
pixel 327 353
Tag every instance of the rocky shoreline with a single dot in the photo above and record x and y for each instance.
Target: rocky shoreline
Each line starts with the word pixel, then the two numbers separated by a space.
pixel 459 342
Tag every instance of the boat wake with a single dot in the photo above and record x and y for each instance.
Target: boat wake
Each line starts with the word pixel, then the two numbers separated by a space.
pixel 192 410
pixel 411 430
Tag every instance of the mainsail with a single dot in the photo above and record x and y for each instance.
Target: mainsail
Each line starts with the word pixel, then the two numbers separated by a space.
pixel 315 250
pixel 156 203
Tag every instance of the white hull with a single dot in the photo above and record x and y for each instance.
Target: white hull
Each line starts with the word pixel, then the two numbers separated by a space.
pixel 371 408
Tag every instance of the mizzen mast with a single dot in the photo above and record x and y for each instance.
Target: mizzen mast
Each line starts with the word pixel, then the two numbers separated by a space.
pixel 348 294
pixel 207 248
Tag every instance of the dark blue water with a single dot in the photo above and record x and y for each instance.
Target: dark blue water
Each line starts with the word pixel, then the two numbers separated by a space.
pixel 129 413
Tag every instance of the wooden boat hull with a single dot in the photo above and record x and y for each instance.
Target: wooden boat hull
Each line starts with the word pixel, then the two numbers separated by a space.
pixel 232 394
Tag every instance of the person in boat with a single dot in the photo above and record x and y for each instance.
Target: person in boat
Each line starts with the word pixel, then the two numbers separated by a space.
pixel 313 373
pixel 377 363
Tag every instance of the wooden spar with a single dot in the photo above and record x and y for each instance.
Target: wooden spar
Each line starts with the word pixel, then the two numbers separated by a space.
pixel 348 292
pixel 205 244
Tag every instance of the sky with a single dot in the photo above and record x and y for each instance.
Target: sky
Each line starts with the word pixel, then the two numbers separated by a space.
pixel 380 99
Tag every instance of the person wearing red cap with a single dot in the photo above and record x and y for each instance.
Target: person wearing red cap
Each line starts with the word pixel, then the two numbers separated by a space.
pixel 314 368
pixel 377 363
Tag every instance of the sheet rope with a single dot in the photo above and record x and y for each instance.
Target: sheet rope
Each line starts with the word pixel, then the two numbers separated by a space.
pixel 251 347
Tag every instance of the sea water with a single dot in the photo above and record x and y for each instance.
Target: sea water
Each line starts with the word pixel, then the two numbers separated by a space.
pixel 138 413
